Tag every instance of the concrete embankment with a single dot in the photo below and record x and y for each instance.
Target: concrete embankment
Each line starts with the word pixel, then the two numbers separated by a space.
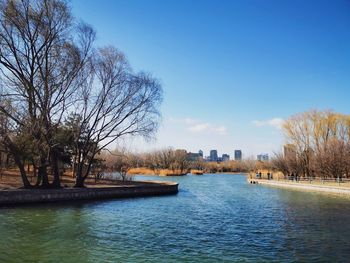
pixel 304 186
pixel 137 189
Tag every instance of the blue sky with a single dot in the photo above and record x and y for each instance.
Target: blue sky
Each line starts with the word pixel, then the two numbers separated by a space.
pixel 231 70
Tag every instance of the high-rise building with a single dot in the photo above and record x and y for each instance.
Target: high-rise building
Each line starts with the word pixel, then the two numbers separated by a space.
pixel 200 152
pixel 289 151
pixel 213 155
pixel 238 155
pixel 263 157
pixel 225 157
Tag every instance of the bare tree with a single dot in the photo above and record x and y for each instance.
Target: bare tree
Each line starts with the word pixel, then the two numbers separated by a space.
pixel 118 162
pixel 250 164
pixel 180 162
pixel 279 162
pixel 42 57
pixel 332 159
pixel 321 143
pixel 115 103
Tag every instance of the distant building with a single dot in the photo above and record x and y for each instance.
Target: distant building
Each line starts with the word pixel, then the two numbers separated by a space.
pixel 263 157
pixel 214 155
pixel 195 156
pixel 238 155
pixel 200 152
pixel 289 151
pixel 192 157
pixel 225 157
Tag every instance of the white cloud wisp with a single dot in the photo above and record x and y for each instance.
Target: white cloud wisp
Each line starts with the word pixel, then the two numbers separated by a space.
pixel 274 123
pixel 196 126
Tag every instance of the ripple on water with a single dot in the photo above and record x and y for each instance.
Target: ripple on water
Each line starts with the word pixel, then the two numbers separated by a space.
pixel 214 218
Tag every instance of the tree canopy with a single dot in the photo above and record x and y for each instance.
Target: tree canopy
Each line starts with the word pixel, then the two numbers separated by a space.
pixel 62 98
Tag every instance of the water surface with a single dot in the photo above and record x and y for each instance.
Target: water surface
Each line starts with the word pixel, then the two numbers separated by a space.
pixel 214 218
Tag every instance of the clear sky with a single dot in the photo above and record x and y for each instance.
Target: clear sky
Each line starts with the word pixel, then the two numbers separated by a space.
pixel 231 70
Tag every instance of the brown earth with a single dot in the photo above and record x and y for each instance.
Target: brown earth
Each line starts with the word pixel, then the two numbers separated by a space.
pixel 10 179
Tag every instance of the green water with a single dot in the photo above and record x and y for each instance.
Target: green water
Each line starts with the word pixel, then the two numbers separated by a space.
pixel 214 218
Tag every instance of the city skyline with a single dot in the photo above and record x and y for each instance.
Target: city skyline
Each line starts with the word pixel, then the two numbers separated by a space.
pixel 231 71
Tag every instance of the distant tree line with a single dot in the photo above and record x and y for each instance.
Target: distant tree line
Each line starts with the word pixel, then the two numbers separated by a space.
pixel 176 161
pixel 62 99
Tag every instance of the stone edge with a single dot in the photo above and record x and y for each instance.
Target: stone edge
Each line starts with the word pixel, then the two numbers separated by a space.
pixel 31 196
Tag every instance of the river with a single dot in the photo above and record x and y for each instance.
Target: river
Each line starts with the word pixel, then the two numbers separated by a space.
pixel 213 218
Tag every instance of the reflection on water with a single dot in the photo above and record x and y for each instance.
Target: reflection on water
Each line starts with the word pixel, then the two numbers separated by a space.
pixel 213 218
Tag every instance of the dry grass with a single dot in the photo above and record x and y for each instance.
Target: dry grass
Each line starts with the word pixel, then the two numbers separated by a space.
pixel 141 170
pixel 160 172
pixel 11 179
pixel 167 172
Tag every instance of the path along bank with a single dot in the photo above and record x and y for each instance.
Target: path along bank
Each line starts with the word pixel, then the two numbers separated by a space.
pixel 305 186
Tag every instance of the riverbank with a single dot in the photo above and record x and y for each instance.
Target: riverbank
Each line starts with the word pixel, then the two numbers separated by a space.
pixel 304 186
pixel 169 172
pixel 132 189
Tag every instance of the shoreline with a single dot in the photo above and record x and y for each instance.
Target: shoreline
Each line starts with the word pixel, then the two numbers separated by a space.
pixel 306 187
pixel 13 197
pixel 158 175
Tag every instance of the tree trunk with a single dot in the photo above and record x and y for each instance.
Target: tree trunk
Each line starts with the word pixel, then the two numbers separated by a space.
pixel 79 179
pixel 38 179
pixel 42 173
pixel 14 151
pixel 81 175
pixel 55 170
pixel 20 165
pixel 74 166
pixel 79 182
